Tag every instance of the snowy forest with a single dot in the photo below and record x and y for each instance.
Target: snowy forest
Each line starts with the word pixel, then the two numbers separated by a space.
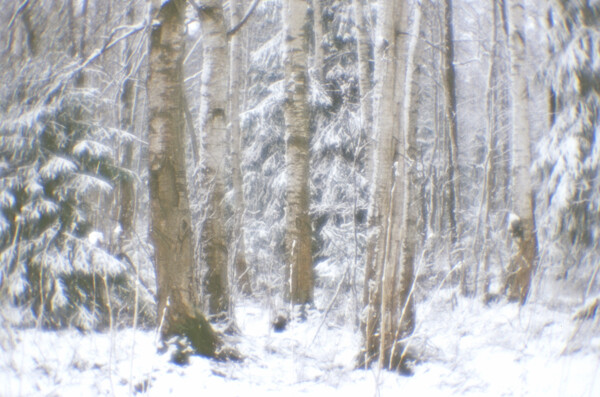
pixel 300 197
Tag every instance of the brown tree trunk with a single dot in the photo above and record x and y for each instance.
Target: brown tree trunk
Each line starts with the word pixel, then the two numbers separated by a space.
pixel 126 186
pixel 171 230
pixel 454 210
pixel 298 244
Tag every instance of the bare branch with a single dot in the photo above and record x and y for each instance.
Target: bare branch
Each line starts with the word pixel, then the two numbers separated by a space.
pixel 237 27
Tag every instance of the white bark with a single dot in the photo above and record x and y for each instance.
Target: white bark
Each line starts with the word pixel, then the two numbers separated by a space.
pixel 213 122
pixel 519 277
pixel 382 322
pixel 298 227
pixel 411 202
pixel 171 227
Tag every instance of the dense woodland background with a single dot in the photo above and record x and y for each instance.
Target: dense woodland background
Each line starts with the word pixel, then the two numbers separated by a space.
pixel 435 145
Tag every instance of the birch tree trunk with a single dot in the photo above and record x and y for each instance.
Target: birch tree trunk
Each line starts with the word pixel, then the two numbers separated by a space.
pixel 392 304
pixel 213 124
pixel 381 190
pixel 522 223
pixel 171 230
pixel 242 274
pixel 298 227
pixel 382 323
pixel 411 201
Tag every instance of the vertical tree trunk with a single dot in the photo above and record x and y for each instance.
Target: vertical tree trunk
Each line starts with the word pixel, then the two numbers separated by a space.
pixel 449 81
pixel 243 279
pixel 483 280
pixel 522 223
pixel 390 349
pixel 171 229
pixel 365 78
pixel 406 278
pixel 381 190
pixel 126 186
pixel 213 122
pixel 382 324
pixel 552 97
pixel 298 227
pixel 318 32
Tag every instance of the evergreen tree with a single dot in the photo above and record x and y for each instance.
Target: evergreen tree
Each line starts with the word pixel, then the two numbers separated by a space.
pixel 56 162
pixel 569 155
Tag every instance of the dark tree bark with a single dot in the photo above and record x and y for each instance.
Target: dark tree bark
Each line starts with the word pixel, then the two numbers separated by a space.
pixel 454 208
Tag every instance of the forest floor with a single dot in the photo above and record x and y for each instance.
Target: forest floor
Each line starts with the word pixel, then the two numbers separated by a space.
pixel 467 349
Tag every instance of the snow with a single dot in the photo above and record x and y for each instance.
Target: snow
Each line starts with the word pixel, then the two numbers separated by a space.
pixel 468 349
pixel 95 237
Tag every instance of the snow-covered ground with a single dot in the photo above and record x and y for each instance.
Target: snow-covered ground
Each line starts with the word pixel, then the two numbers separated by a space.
pixel 468 349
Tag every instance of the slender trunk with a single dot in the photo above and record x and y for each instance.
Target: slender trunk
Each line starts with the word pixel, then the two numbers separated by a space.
pixel 392 328
pixel 383 320
pixel 365 78
pixel 405 280
pixel 552 97
pixel 213 122
pixel 171 230
pixel 298 227
pixel 189 123
pixel 242 273
pixel 384 152
pixel 454 210
pixel 318 31
pixel 483 281
pixel 126 186
pixel 522 223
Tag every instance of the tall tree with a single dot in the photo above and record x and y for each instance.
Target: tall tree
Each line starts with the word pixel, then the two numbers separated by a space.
pixel 171 228
pixel 482 281
pixel 521 223
pixel 384 325
pixel 213 124
pixel 318 60
pixel 569 160
pixel 411 199
pixel 126 186
pixel 298 238
pixel 365 76
pixel 242 272
pixel 57 163
pixel 453 204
